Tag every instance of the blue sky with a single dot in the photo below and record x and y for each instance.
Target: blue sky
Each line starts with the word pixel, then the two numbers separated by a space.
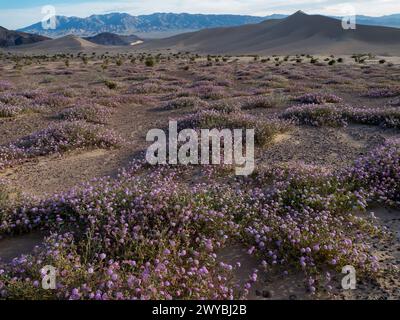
pixel 20 13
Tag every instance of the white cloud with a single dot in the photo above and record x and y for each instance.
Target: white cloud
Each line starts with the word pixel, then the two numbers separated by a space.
pixel 16 18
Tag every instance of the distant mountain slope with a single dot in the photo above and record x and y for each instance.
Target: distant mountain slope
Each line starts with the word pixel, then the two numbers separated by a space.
pixel 9 38
pixel 125 24
pixel 384 21
pixel 112 39
pixel 69 43
pixel 298 33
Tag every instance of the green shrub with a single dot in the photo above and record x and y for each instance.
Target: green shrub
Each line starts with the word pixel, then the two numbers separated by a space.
pixel 150 62
pixel 110 84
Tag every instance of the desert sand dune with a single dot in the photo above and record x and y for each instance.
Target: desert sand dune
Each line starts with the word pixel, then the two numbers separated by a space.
pixel 299 33
pixel 64 44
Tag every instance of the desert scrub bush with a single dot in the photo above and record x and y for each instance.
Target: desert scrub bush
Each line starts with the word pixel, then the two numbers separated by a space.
pixel 5 85
pixel 225 105
pixel 150 62
pixel 210 92
pixel 388 92
pixel 185 103
pixel 110 84
pixel 51 99
pixel 264 102
pixel 58 138
pixel 7 111
pixel 154 86
pixel 275 81
pixel 14 98
pixel 11 110
pixel 318 98
pixel 4 197
pixel 315 115
pixel 329 115
pixel 388 117
pixel 264 130
pixel 88 112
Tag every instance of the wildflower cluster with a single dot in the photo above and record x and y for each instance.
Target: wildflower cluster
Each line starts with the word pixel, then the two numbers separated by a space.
pixel 185 103
pixel 88 112
pixel 267 101
pixel 12 104
pixel 379 173
pixel 265 130
pixel 328 115
pixel 318 98
pixel 148 235
pixel 57 138
pixel 383 92
pixel 5 85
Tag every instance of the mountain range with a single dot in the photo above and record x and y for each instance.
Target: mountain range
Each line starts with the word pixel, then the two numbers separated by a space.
pixel 125 24
pixel 112 39
pixel 164 24
pixel 10 38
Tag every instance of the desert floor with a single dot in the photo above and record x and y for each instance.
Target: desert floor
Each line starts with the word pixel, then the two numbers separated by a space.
pixel 132 98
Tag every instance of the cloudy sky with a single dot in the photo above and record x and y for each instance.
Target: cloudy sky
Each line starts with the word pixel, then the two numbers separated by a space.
pixel 20 13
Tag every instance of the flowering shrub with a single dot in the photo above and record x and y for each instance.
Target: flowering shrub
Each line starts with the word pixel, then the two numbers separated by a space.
pixel 120 99
pixel 89 112
pixel 210 92
pixel 52 99
pixel 318 98
pixel 379 172
pixel 149 236
pixel 315 115
pixel 225 106
pixel 307 224
pixel 13 99
pixel 57 138
pixel 4 196
pixel 388 117
pixel 383 92
pixel 270 101
pixel 5 85
pixel 151 88
pixel 326 115
pixel 11 110
pixel 185 103
pixel 209 119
